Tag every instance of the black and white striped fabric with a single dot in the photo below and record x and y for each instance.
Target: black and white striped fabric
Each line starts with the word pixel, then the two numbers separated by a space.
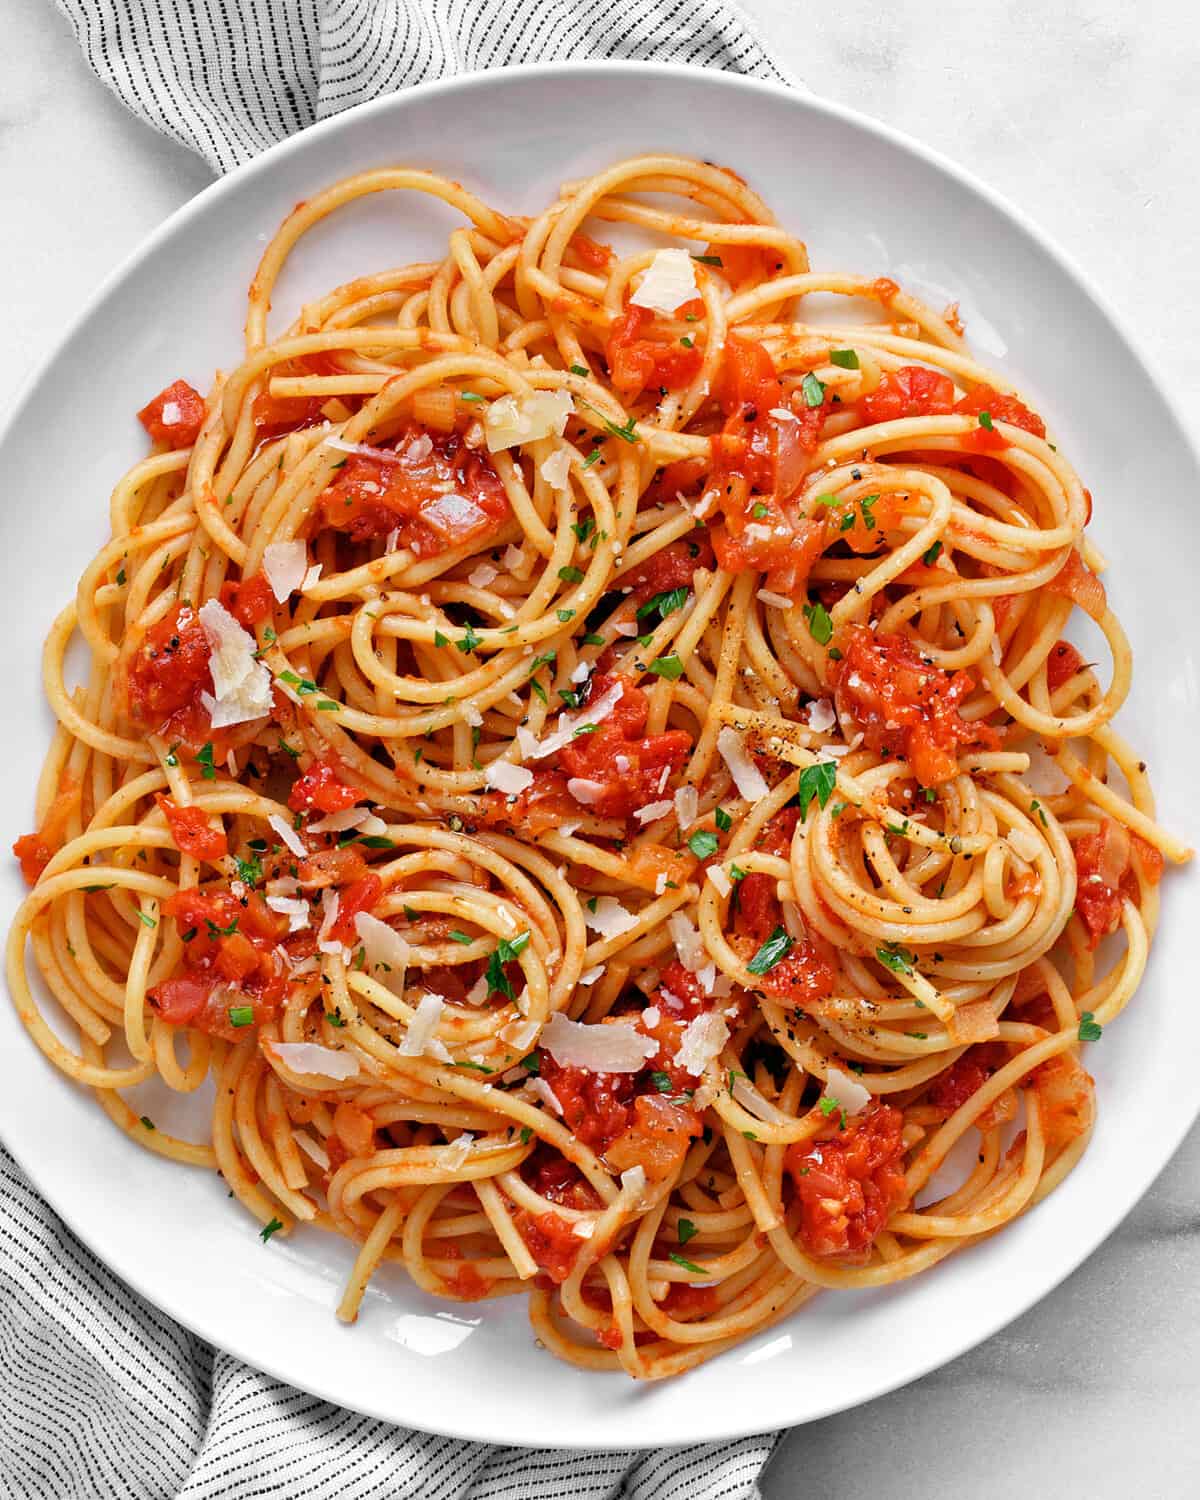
pixel 105 1397
pixel 231 77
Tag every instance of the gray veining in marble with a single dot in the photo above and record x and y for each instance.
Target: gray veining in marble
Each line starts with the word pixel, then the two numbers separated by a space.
pixel 1085 115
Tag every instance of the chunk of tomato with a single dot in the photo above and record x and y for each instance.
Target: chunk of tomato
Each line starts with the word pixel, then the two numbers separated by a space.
pixel 175 416
pixel 849 1183
pixel 193 831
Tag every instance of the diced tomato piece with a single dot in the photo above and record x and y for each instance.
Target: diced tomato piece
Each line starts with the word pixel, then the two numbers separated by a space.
pixel 636 361
pixel 592 253
pixel 673 567
pixel 597 1107
pixel 168 673
pixel 910 391
pixel 355 1129
pixel 331 867
pixel 321 787
pixel 36 850
pixel 656 1139
pixel 249 601
pixel 1065 1093
pixel 273 415
pixel 544 805
pixel 684 1301
pixel 361 896
pixel 967 1076
pixel 999 408
pixel 625 764
pixel 232 962
pixel 1062 663
pixel 431 488
pixel 800 979
pixel 743 263
pixel 849 1183
pixel 747 385
pixel 884 288
pixel 193 831
pixel 558 1179
pixel 905 705
pixel 1102 863
pixel 550 1240
pixel 789 549
pixel 175 416
pixel 1076 581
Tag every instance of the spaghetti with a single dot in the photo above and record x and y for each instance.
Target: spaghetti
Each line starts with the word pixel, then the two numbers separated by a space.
pixel 561 752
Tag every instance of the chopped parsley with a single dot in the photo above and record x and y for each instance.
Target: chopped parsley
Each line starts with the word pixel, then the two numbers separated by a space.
pixel 460 937
pixel 665 603
pixel 204 757
pixel 724 821
pixel 687 1231
pixel 667 666
pixel 985 421
pixel 816 781
pixel 1090 1029
pixel 899 960
pixel 242 1015
pixel 776 948
pixel 930 557
pixel 661 1081
pixel 269 1229
pixel 703 843
pixel 820 626
pixel 571 575
pixel 709 260
pixel 812 390
pixel 846 359
pixel 688 1265
pixel 505 951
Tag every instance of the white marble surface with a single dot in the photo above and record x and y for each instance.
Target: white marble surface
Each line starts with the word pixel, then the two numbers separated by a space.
pixel 1084 114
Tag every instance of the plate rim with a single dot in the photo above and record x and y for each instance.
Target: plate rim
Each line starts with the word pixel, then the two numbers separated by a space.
pixel 732 1426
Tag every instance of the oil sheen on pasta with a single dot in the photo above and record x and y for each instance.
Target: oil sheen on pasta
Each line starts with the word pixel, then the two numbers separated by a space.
pixel 557 753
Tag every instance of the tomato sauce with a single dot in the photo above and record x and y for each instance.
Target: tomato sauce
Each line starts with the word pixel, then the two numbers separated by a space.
pixel 673 567
pixel 849 1183
pixel 551 1241
pixel 273 415
pixel 1062 664
pixel 1104 864
pixel 637 360
pixel 165 678
pixel 249 602
pixel 619 757
pixel 192 830
pixel 231 960
pixel 430 488
pixel 915 391
pixel 322 789
pixel 951 1090
pixel 34 851
pixel 905 705
pixel 175 416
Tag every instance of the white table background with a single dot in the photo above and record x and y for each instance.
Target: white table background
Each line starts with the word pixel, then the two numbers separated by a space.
pixel 1085 114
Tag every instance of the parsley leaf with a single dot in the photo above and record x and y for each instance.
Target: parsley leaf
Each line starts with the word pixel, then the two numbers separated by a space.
pixel 776 948
pixel 1089 1028
pixel 724 821
pixel 899 960
pixel 687 1231
pixel 817 781
pixel 703 843
pixel 661 1082
pixel 847 359
pixel 688 1265
pixel 205 758
pixel 667 666
pixel 268 1230
pixel 812 390
pixel 666 603
pixel 505 951
pixel 820 626
pixel 930 557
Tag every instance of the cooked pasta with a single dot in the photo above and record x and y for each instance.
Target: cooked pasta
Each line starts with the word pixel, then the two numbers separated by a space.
pixel 580 755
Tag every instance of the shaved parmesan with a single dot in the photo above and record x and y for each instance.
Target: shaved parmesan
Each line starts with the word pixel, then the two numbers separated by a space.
pixel 504 777
pixel 614 1047
pixel 847 1092
pixel 364 449
pixel 542 414
pixel 479 577
pixel 456 1153
pixel 472 716
pixel 513 557
pixel 527 743
pixel 312 577
pixel 542 1090
pixel 746 776
pixel 667 282
pixel 285 564
pixel 556 469
pixel 626 627
pixel 689 945
pixel 610 918
pixel 170 413
pixel 288 835
pixel 821 716
pixel 687 805
pixel 651 1016
pixel 383 944
pixel 338 822
pixel 419 1037
pixel 330 902
pixel 585 791
pixel 590 976
pixel 520 1034
pixel 720 880
pixel 651 811
pixel 453 517
pixel 312 1059
pixel 294 910
pixel 633 1182
pixel 701 1043
pixel 242 686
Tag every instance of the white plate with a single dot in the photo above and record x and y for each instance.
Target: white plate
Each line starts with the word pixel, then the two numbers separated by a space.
pixel 866 200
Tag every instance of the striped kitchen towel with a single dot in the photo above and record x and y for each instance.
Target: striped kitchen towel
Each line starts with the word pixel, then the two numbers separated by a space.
pixel 105 1397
